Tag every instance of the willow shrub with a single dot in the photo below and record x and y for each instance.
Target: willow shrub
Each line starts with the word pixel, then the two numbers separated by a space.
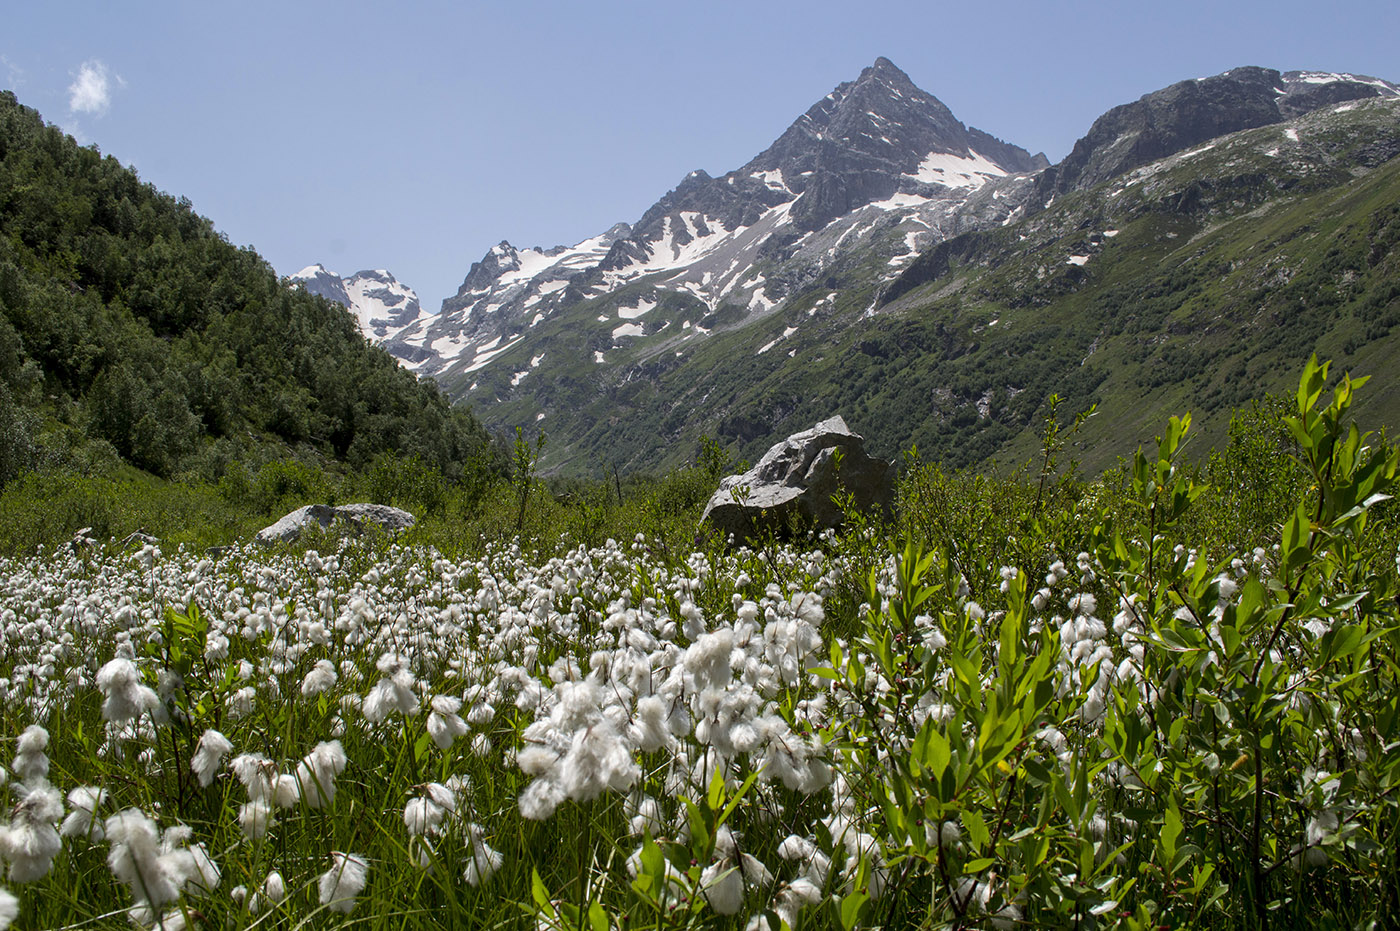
pixel 1226 756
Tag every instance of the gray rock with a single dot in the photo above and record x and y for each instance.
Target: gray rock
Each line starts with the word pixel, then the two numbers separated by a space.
pixel 390 519
pixel 798 478
pixel 357 516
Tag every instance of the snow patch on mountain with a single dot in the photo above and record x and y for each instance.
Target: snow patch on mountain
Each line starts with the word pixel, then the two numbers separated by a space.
pixel 640 309
pixel 1330 77
pixel 956 171
pixel 484 354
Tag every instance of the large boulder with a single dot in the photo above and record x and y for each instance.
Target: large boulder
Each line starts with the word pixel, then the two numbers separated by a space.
pixel 357 516
pixel 796 481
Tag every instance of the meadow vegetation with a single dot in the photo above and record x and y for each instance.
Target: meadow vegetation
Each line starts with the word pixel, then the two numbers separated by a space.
pixel 1162 697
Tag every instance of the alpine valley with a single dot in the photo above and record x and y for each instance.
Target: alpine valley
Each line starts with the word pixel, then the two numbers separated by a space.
pixel 936 285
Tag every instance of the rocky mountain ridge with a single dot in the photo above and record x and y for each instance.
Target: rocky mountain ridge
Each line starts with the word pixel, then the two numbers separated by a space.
pixel 1191 113
pixel 726 307
pixel 873 150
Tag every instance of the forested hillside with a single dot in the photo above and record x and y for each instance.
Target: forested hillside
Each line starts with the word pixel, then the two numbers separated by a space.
pixel 130 326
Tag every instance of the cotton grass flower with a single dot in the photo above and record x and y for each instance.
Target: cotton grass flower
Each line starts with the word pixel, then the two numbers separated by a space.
pixel 9 909
pixel 124 695
pixel 273 891
pixel 135 859
pixel 255 772
pixel 209 756
pixel 724 880
pixel 792 897
pixel 649 730
pixel 31 840
pixel 190 863
pixel 83 803
pixel 321 678
pixel 240 703
pixel 339 885
pixel 286 791
pixel 644 815
pixel 393 693
pixel 273 888
pixel 31 763
pixel 598 759
pixel 444 724
pixel 255 819
pixel 423 816
pixel 316 773
pixel 814 863
pixel 484 860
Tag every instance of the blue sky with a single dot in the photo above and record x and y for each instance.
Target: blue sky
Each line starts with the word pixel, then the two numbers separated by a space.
pixel 414 136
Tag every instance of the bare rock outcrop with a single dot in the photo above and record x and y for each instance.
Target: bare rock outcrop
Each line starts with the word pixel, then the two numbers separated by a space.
pixel 796 482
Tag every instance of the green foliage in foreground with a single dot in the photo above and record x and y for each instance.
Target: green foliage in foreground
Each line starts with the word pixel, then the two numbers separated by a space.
pixel 1109 706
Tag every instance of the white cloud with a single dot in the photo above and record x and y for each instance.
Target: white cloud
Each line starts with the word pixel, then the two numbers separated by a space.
pixel 14 74
pixel 91 90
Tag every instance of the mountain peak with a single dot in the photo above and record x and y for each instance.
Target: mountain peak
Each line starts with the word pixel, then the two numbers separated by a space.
pixel 886 71
pixel 312 271
pixel 859 143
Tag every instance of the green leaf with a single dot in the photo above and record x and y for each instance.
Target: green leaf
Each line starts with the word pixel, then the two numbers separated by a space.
pixel 1311 384
pixel 737 797
pixel 967 673
pixel 850 908
pixel 597 918
pixel 1343 641
pixel 420 746
pixel 1347 602
pixel 539 893
pixel 1175 641
pixel 937 753
pixel 699 829
pixel 1171 830
pixel 653 861
pixel 715 796
pixel 1010 636
pixel 1038 772
pixel 976 827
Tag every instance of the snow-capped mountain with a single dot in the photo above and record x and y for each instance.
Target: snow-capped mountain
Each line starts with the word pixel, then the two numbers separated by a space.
pixel 873 152
pixel 382 305
pixel 882 255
